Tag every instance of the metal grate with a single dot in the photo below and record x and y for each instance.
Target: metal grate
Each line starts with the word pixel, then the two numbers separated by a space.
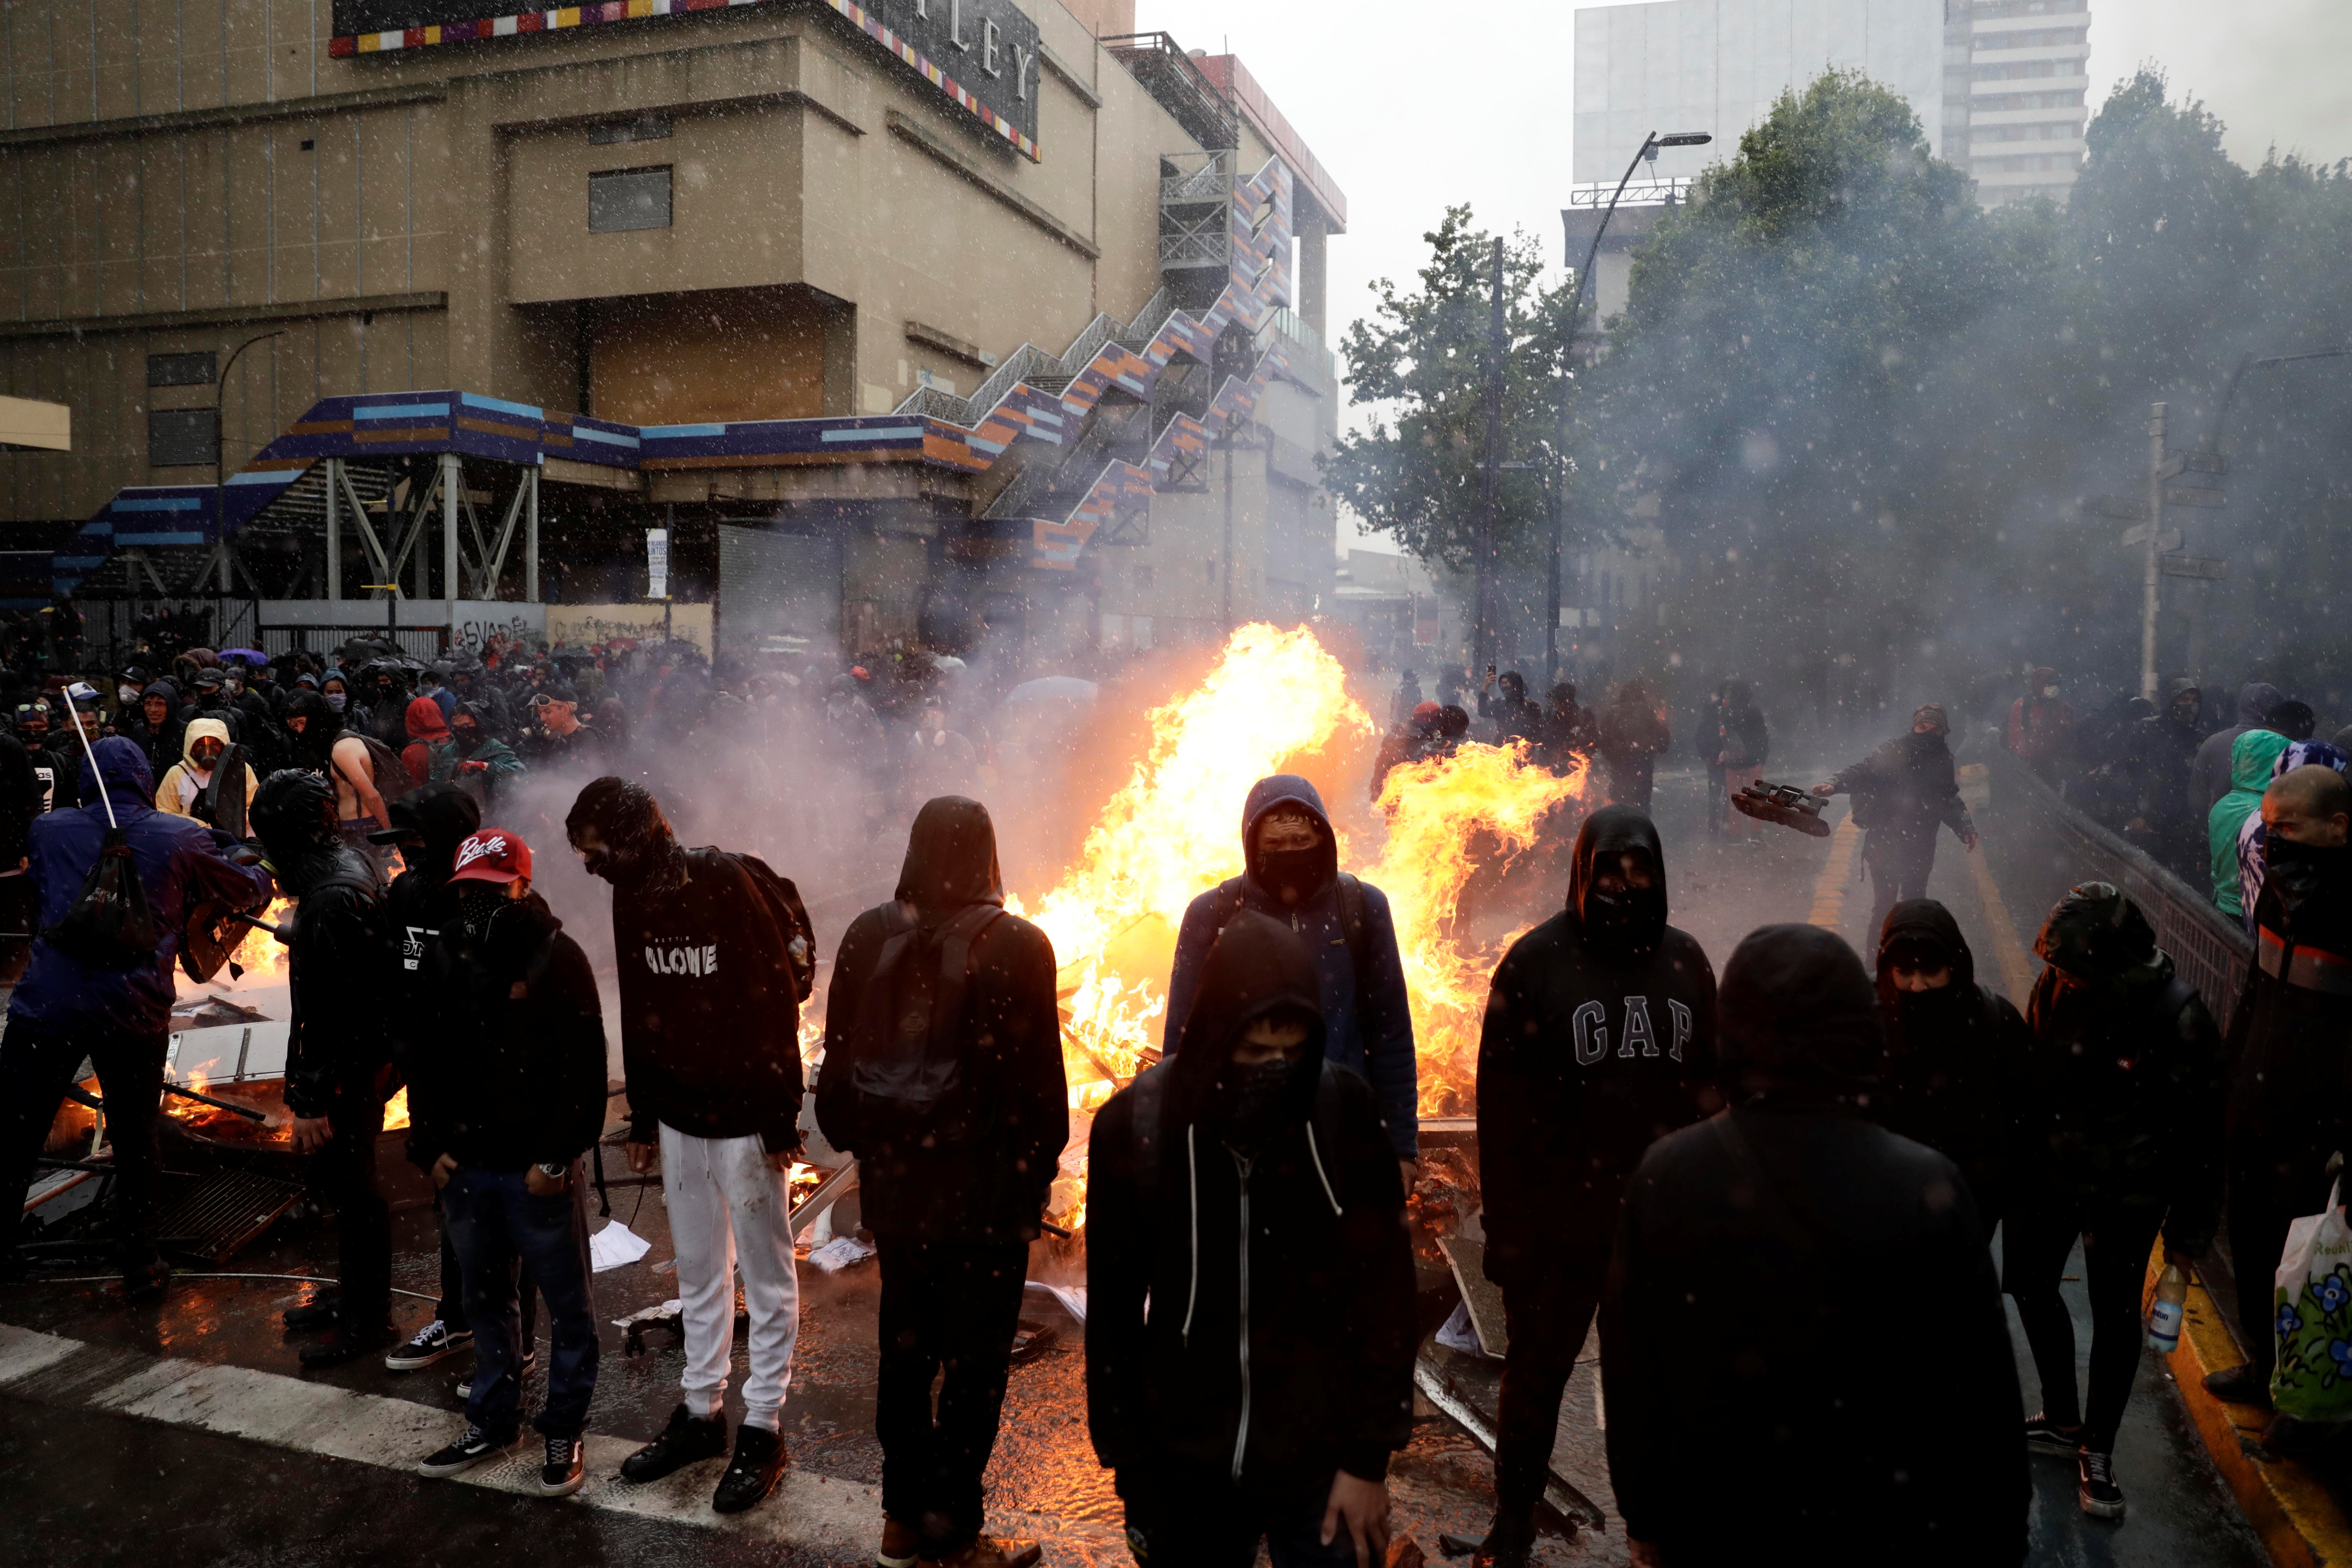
pixel 214 1218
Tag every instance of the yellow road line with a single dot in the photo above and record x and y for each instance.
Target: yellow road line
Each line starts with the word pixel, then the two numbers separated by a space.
pixel 2016 971
pixel 1828 892
pixel 2300 1523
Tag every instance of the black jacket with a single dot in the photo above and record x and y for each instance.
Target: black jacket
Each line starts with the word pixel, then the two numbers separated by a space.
pixel 418 903
pixel 709 1022
pixel 512 1073
pixel 164 744
pixel 20 799
pixel 1759 1320
pixel 981 1174
pixel 1906 788
pixel 2291 1099
pixel 339 964
pixel 1247 1318
pixel 1592 1048
pixel 1779 1269
pixel 1954 1072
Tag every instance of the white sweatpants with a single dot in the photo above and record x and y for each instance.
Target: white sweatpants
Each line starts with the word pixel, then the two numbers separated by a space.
pixel 728 1209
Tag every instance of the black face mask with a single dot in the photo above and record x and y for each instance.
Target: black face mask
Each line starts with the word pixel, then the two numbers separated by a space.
pixel 1298 869
pixel 478 904
pixel 2301 872
pixel 1252 1100
pixel 1632 918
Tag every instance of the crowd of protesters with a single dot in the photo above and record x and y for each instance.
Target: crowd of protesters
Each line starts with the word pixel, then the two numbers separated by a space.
pixel 1768 1190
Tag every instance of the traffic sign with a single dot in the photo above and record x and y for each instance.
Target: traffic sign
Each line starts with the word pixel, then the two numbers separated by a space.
pixel 2177 463
pixel 2168 539
pixel 2122 507
pixel 2190 495
pixel 2204 567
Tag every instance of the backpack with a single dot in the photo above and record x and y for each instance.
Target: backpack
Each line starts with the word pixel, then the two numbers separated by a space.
pixel 1353 922
pixel 382 761
pixel 908 1068
pixel 108 925
pixel 783 902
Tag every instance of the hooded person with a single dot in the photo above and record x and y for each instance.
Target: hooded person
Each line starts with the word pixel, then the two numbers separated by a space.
pixel 1293 874
pixel 1570 733
pixel 1599 1037
pixel 1903 792
pixel 1735 749
pixel 2289 1044
pixel 1956 1052
pixel 1746 1332
pixel 943 1075
pixel 475 760
pixel 205 783
pixel 428 727
pixel 1403 742
pixel 384 696
pixel 2041 722
pixel 709 1045
pixel 1633 736
pixel 2213 771
pixel 2253 834
pixel 312 728
pixel 2253 761
pixel 2121 1124
pixel 21 794
pixel 339 1070
pixel 158 729
pixel 1250 1324
pixel 73 1003
pixel 2162 751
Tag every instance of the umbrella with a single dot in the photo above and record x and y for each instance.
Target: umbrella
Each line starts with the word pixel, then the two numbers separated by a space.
pixel 1055 688
pixel 250 655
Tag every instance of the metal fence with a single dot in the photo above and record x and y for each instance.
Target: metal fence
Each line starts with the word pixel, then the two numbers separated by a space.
pixel 419 642
pixel 2048 846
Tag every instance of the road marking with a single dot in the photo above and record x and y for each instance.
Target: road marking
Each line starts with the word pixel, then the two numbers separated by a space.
pixel 810 1512
pixel 1828 892
pixel 2016 970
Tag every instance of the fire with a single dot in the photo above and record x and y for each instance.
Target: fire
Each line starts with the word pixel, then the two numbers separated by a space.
pixel 261 954
pixel 396 1111
pixel 1436 808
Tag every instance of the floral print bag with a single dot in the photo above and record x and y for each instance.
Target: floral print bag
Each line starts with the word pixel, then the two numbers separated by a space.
pixel 2311 1318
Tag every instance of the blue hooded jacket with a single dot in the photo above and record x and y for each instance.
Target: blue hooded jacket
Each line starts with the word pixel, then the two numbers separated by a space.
pixel 1367 1024
pixel 181 861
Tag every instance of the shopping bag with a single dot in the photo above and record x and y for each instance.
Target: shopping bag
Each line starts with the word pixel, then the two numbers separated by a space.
pixel 2311 1318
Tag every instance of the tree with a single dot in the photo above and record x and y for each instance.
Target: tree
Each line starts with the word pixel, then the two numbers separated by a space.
pixel 1425 356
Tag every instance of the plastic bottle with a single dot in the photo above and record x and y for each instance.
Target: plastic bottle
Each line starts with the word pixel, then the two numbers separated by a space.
pixel 2164 1318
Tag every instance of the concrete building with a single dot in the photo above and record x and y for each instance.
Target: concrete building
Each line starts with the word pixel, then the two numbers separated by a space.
pixel 2016 76
pixel 941 319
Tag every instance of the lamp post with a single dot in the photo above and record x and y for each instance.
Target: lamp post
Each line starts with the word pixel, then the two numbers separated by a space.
pixel 1575 305
pixel 220 466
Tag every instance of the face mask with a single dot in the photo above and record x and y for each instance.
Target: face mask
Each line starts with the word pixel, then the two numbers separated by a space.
pixel 1630 918
pixel 1252 1097
pixel 335 699
pixel 2049 691
pixel 1298 869
pixel 127 694
pixel 478 904
pixel 2300 871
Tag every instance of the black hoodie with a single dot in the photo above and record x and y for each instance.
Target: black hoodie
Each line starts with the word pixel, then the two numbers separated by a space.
pixel 1599 1037
pixel 1955 1062
pixel 417 902
pixel 1906 788
pixel 1250 1318
pixel 982 1176
pixel 2288 1102
pixel 1779 1268
pixel 340 963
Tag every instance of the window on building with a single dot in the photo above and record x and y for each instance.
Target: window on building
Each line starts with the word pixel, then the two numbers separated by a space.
pixel 620 200
pixel 183 369
pixel 183 437
pixel 645 128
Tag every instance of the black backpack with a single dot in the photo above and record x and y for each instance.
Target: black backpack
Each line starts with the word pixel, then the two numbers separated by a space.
pixel 783 902
pixel 908 1068
pixel 108 925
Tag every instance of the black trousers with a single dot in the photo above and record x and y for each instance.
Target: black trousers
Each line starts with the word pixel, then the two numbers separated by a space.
pixel 2039 1233
pixel 345 1171
pixel 37 1062
pixel 1899 867
pixel 1548 1317
pixel 20 911
pixel 952 1306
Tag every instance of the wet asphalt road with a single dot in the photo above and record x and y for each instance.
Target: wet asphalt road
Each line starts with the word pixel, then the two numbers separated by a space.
pixel 91 1484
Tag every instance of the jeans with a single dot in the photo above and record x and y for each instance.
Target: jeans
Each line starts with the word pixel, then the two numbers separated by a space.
pixel 345 1169
pixel 1549 1319
pixel 957 1306
pixel 2117 1238
pixel 451 1308
pixel 1212 1523
pixel 497 1224
pixel 37 1062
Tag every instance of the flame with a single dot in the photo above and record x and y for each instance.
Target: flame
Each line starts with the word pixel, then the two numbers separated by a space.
pixel 396 1111
pixel 261 954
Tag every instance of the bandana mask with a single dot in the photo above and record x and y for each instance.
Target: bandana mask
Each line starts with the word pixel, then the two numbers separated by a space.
pixel 478 904
pixel 1252 1098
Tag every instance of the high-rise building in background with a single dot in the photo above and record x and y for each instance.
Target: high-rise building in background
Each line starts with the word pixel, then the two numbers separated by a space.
pixel 2016 73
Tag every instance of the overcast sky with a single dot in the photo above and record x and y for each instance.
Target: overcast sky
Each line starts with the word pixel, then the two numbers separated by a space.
pixel 1412 106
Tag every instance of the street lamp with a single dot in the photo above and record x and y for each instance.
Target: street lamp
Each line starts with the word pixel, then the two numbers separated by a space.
pixel 220 459
pixel 1559 498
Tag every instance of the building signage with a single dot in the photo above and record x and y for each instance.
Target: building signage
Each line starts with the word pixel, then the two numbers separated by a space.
pixel 981 53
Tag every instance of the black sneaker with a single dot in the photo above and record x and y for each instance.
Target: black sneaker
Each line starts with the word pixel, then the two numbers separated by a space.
pixel 463 1454
pixel 434 1342
pixel 1508 1545
pixel 348 1343
pixel 321 1311
pixel 466 1383
pixel 685 1441
pixel 563 1473
pixel 753 1472
pixel 2101 1497
pixel 2042 1436
pixel 2240 1385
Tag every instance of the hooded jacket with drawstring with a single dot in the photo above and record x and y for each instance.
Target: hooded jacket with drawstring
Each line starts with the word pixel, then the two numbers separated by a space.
pixel 2211 773
pixel 1250 1292
pixel 180 862
pixel 427 728
pixel 499 764
pixel 1599 1037
pixel 1366 1020
pixel 168 793
pixel 418 905
pixel 980 1173
pixel 1775 1265
pixel 160 742
pixel 1955 1056
pixel 2252 761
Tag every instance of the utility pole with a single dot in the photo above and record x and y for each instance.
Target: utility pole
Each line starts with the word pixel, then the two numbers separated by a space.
pixel 2153 568
pixel 1490 521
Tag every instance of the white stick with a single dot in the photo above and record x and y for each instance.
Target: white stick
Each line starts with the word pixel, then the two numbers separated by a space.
pixel 84 736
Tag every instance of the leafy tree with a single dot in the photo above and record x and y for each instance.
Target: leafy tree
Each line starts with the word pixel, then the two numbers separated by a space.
pixel 1416 474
